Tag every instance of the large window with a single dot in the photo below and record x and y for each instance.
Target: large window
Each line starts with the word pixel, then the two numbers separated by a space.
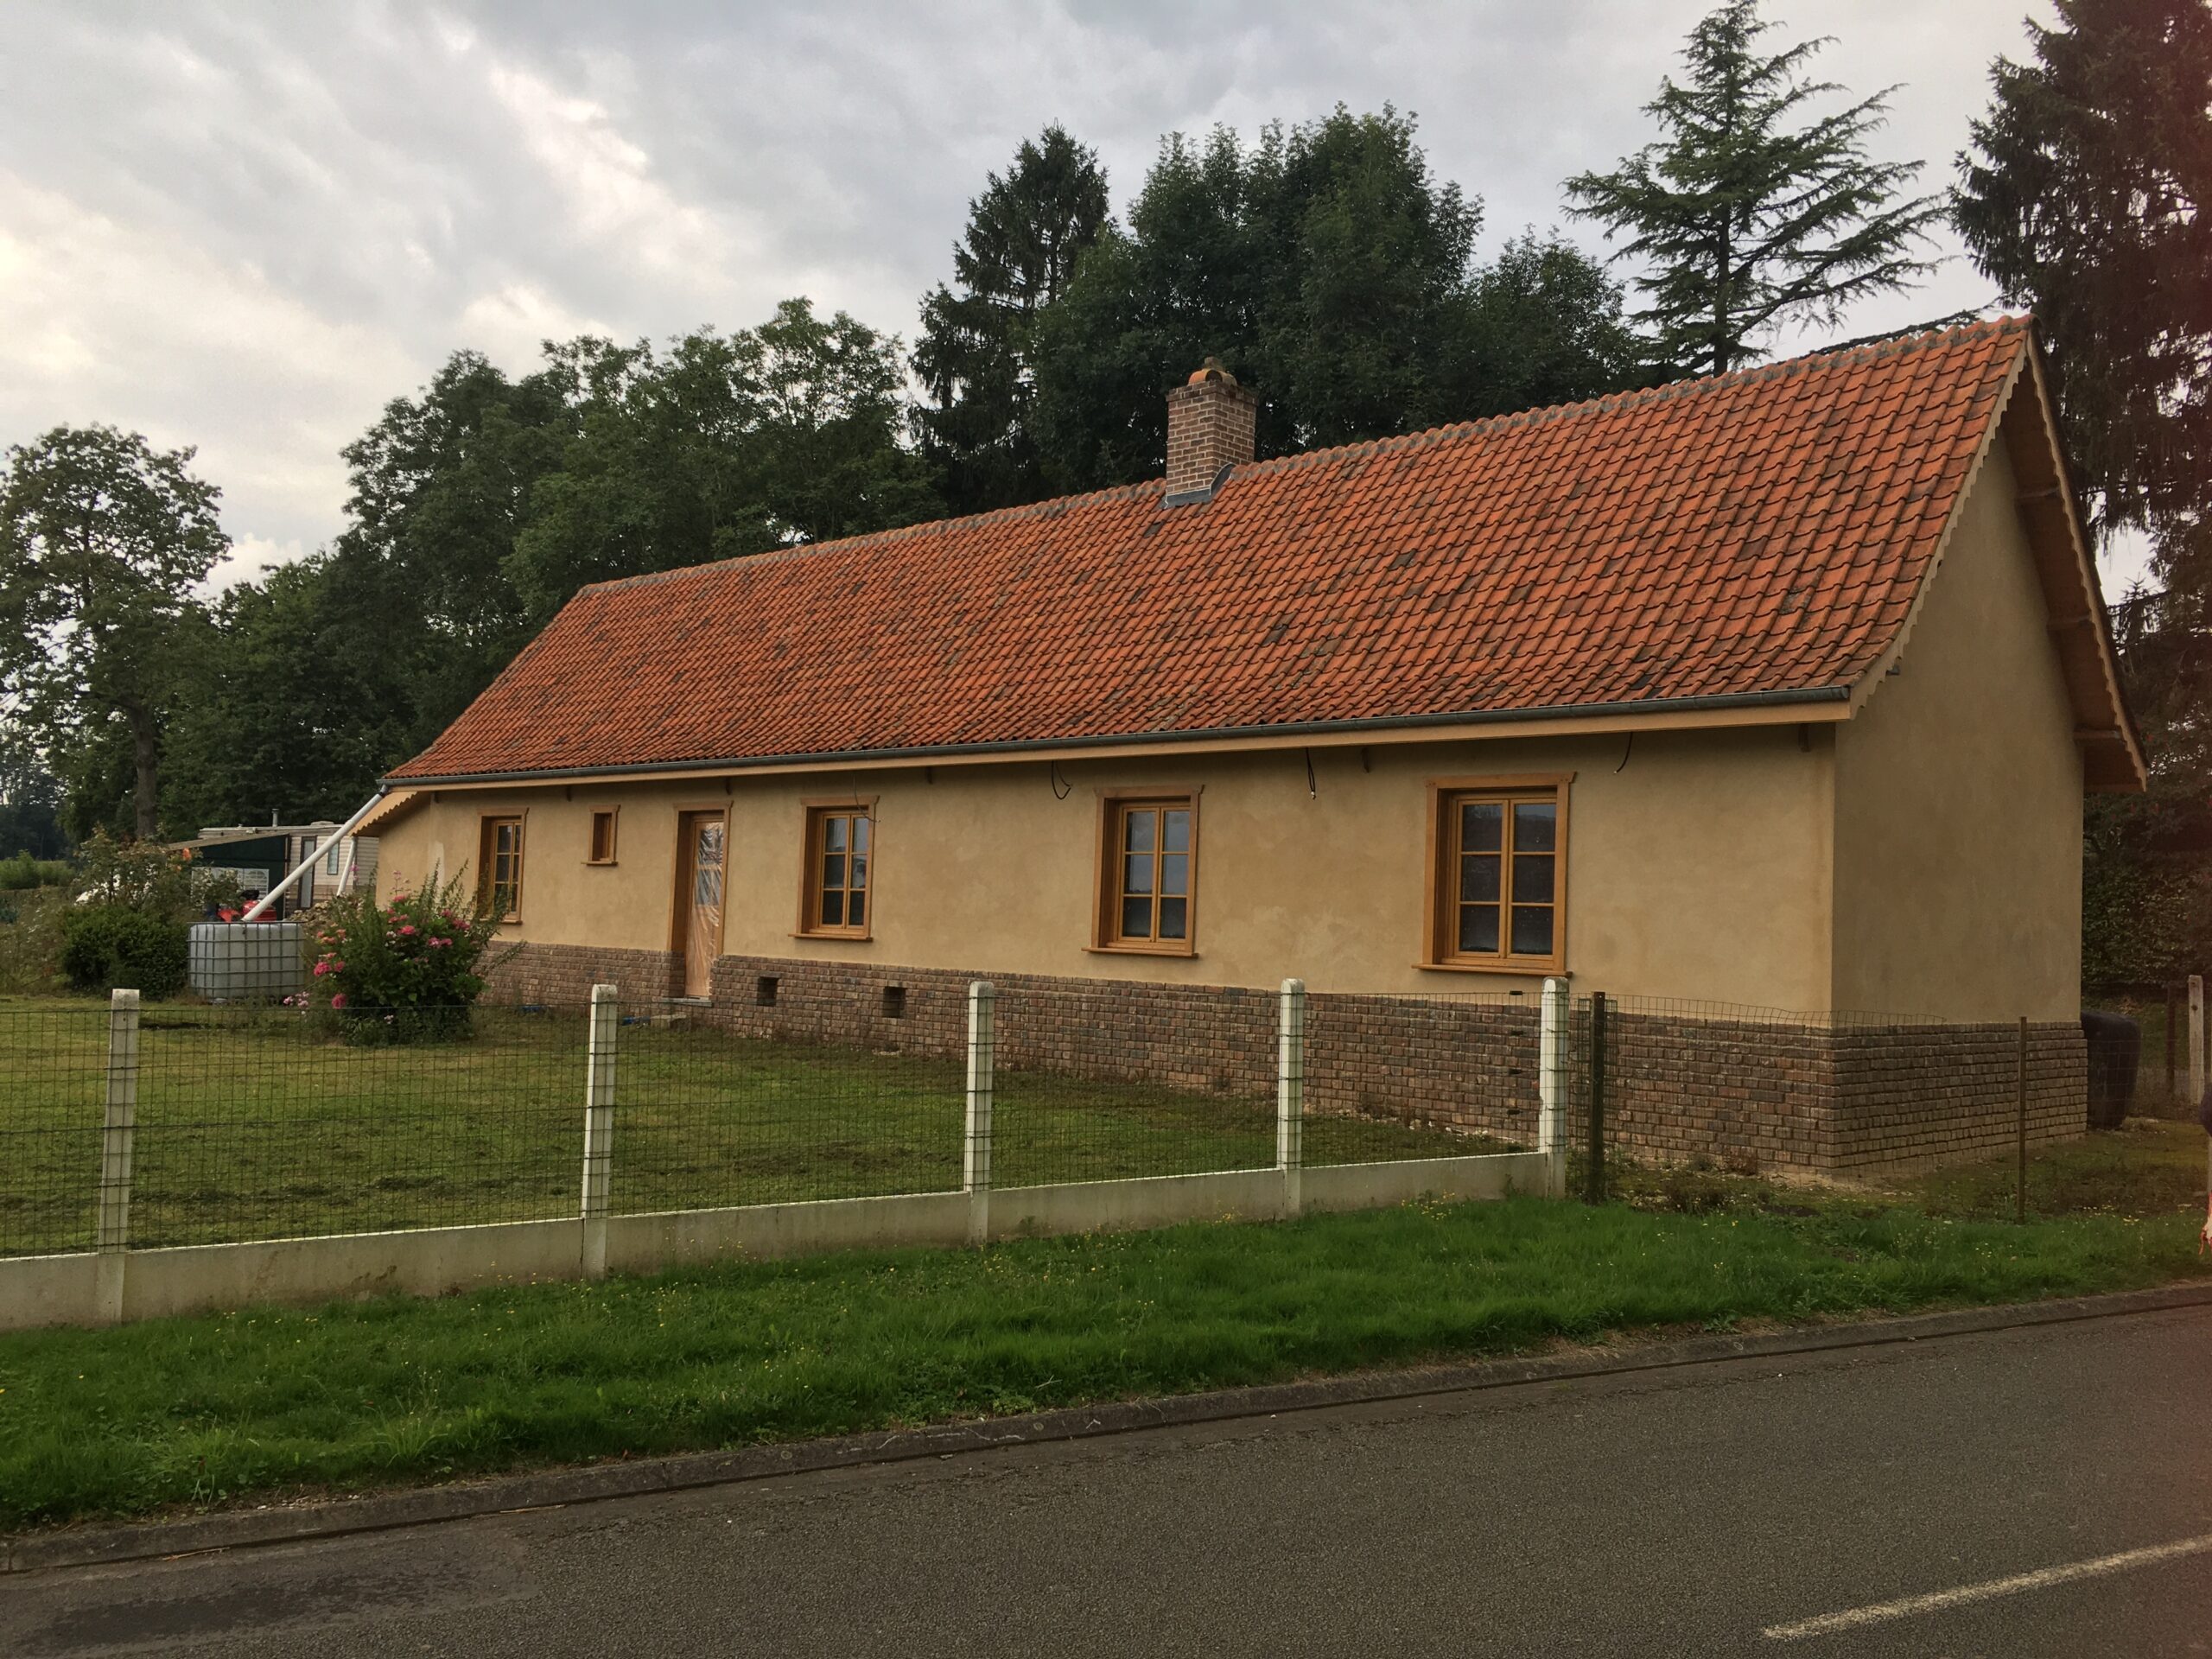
pixel 839 858
pixel 1498 890
pixel 1148 873
pixel 498 868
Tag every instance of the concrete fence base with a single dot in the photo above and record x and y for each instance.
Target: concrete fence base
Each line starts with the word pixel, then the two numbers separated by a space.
pixel 52 1290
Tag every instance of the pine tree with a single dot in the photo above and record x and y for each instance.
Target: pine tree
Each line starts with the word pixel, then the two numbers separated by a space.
pixel 1025 234
pixel 1748 212
pixel 2083 197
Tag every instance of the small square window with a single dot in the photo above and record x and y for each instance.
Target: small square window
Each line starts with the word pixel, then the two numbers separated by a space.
pixel 602 837
pixel 764 991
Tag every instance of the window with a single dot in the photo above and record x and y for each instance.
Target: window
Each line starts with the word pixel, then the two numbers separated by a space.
pixel 1148 847
pixel 498 880
pixel 1498 890
pixel 602 837
pixel 333 848
pixel 840 854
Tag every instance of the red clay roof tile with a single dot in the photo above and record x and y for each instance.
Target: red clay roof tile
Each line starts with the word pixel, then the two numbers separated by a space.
pixel 1754 534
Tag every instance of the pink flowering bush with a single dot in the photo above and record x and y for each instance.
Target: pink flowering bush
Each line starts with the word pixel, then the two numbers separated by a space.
pixel 403 969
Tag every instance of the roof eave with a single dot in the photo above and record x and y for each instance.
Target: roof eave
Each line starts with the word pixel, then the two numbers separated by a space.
pixel 1808 704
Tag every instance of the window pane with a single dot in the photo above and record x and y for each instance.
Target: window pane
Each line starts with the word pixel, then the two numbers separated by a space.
pixel 1136 836
pixel 861 827
pixel 1177 838
pixel 1532 930
pixel 1174 872
pixel 833 908
pixel 1535 827
pixel 1532 878
pixel 857 911
pixel 860 872
pixel 1173 912
pixel 1478 929
pixel 833 834
pixel 1478 879
pixel 508 837
pixel 1136 918
pixel 1482 826
pixel 833 870
pixel 1136 873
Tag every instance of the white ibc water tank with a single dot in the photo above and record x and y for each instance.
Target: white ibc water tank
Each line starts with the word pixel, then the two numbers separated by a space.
pixel 236 961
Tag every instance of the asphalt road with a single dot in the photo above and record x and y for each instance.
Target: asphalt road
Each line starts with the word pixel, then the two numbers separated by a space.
pixel 1713 1509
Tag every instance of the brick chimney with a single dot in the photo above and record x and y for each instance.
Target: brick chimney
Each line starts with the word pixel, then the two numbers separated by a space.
pixel 1211 421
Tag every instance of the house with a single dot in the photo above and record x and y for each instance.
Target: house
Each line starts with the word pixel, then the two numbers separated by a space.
pixel 1781 688
pixel 261 855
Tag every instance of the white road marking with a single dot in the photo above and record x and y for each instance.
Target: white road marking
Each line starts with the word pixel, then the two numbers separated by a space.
pixel 2042 1579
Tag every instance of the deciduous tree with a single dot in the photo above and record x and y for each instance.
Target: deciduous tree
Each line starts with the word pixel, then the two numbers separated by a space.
pixel 103 541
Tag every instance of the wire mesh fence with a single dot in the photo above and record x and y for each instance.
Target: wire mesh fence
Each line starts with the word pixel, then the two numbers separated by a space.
pixel 270 1122
pixel 1121 1082
pixel 1754 1089
pixel 258 1122
pixel 1437 1075
pixel 706 1117
pixel 53 1092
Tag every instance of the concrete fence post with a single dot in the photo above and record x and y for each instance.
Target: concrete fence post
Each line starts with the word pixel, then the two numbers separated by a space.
pixel 2196 1039
pixel 1290 1094
pixel 117 1129
pixel 975 1151
pixel 599 1125
pixel 1553 1084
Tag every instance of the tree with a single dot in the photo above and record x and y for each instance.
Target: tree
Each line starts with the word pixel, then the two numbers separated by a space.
pixel 2080 197
pixel 1326 265
pixel 1543 327
pixel 727 445
pixel 975 358
pixel 1747 213
pixel 102 541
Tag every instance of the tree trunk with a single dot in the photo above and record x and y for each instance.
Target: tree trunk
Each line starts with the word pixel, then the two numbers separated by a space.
pixel 145 754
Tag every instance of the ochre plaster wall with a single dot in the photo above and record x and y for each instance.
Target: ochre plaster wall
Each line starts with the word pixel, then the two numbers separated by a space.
pixel 1698 864
pixel 1958 840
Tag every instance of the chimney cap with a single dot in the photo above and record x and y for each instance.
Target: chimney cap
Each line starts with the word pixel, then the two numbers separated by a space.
pixel 1211 370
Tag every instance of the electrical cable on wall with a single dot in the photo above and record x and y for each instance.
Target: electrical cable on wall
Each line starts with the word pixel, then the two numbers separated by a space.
pixel 1627 749
pixel 1061 788
pixel 1313 793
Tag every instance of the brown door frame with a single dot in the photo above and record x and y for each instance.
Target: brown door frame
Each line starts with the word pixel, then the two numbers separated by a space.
pixel 680 901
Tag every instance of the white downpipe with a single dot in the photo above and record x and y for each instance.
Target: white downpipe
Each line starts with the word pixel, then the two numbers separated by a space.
pixel 301 868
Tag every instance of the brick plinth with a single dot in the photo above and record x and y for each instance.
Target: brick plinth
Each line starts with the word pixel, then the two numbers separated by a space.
pixel 1816 1097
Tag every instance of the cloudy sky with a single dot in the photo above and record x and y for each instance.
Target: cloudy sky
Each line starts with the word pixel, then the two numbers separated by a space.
pixel 247 226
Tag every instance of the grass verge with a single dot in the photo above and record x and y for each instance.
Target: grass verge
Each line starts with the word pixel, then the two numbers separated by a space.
pixel 264 1403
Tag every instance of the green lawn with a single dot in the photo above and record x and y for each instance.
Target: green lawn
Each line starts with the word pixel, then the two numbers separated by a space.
pixel 264 1126
pixel 263 1403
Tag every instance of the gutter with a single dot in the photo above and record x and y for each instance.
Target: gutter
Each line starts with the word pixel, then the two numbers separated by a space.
pixel 1821 694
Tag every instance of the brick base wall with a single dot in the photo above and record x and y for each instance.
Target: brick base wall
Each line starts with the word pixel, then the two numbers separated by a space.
pixel 1813 1098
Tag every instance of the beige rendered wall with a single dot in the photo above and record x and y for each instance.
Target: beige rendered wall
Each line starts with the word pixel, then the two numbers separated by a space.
pixel 1958 840
pixel 1698 864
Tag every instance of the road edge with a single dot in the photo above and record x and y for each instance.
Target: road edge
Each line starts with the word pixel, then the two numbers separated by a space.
pixel 592 1483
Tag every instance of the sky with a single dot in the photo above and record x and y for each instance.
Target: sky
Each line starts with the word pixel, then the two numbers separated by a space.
pixel 247 227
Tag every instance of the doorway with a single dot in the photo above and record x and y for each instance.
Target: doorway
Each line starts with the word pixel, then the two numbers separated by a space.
pixel 699 849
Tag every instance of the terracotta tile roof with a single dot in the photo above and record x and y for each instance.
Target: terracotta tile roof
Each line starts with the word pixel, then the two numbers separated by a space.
pixel 1754 535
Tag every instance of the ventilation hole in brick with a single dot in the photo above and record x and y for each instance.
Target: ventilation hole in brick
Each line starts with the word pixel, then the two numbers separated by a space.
pixel 895 1001
pixel 764 990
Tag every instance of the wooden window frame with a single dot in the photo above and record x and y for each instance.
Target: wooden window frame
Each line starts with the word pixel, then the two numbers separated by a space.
pixel 487 866
pixel 614 817
pixel 1440 909
pixel 818 810
pixel 1106 876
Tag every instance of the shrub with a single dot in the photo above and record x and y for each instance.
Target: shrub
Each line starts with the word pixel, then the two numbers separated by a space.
pixel 30 941
pixel 22 872
pixel 106 945
pixel 401 971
